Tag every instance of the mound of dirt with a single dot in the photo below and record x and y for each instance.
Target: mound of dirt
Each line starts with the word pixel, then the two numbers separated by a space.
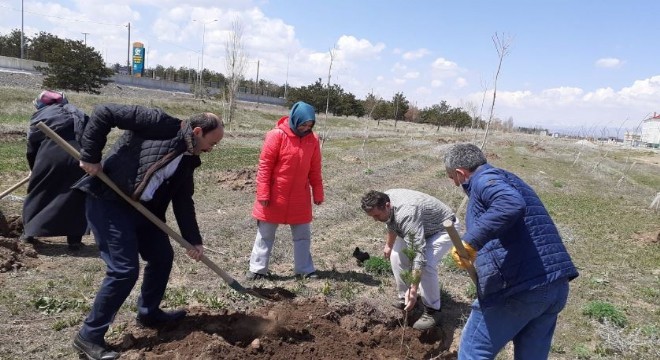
pixel 15 255
pixel 11 226
pixel 298 329
pixel 238 180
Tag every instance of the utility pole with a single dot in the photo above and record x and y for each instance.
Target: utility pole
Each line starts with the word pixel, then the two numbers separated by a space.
pixel 85 33
pixel 201 73
pixel 128 55
pixel 22 33
pixel 286 83
pixel 256 84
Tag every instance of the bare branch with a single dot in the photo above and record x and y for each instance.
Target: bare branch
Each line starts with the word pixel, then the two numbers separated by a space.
pixel 503 49
pixel 236 62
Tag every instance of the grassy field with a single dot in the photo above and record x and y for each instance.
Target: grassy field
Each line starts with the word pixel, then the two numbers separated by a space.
pixel 599 195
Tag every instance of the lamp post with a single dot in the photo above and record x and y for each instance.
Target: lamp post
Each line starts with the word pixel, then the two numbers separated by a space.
pixel 128 46
pixel 202 66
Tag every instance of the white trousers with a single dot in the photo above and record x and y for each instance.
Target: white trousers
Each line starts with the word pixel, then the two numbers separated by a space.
pixel 429 287
pixel 263 246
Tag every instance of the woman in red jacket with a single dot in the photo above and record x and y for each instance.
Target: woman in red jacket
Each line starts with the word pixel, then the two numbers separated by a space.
pixel 289 175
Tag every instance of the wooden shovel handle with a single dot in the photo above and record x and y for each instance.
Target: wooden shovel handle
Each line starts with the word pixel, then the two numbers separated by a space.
pixel 143 210
pixel 14 187
pixel 458 244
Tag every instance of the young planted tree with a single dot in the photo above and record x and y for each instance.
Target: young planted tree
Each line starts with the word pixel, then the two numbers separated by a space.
pixel 409 276
pixel 324 132
pixel 502 47
pixel 236 62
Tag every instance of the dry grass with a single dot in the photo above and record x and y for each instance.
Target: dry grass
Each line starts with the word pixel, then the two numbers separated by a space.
pixel 606 223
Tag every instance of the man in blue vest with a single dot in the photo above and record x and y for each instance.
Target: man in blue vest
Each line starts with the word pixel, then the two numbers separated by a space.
pixel 523 268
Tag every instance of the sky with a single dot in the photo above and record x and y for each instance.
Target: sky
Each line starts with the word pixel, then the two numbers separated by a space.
pixel 576 66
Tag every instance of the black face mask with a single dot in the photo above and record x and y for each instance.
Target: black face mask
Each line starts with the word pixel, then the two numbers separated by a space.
pixel 304 133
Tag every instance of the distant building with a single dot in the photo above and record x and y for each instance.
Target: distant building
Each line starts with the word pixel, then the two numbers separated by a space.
pixel 632 139
pixel 651 131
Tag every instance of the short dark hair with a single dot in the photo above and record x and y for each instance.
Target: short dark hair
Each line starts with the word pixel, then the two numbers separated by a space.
pixel 465 156
pixel 206 121
pixel 374 199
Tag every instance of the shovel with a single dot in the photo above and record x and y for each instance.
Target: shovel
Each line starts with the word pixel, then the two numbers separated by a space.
pixel 149 215
pixel 458 244
pixel 14 187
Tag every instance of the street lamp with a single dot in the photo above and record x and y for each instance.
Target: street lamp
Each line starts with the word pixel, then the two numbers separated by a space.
pixel 203 36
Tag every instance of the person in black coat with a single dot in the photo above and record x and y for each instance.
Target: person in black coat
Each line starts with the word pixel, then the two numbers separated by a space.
pixel 51 207
pixel 153 162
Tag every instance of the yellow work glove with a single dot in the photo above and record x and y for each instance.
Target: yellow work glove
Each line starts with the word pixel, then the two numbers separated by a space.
pixel 460 261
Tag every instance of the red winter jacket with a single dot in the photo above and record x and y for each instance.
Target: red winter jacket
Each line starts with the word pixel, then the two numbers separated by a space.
pixel 288 166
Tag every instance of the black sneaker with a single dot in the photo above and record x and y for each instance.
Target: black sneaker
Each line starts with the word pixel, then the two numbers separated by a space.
pixel 160 318
pixel 311 276
pixel 27 239
pixel 257 276
pixel 93 351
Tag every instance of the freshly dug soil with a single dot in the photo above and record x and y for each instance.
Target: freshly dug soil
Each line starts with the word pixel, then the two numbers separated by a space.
pixel 309 328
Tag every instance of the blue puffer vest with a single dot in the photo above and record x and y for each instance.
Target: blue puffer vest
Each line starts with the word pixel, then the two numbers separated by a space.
pixel 519 247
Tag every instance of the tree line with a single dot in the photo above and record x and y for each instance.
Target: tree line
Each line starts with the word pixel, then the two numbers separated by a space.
pixel 72 65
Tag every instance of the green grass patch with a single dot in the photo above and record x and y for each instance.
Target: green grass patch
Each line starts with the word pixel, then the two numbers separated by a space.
pixel 231 158
pixel 603 311
pixel 50 305
pixel 12 156
pixel 176 297
pixel 377 265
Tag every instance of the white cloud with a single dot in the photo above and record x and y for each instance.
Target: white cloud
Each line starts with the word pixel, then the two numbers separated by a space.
pixel 443 69
pixel 444 65
pixel 411 75
pixel 416 54
pixel 562 94
pixel 609 63
pixel 436 83
pixel 461 82
pixel 399 67
pixel 353 48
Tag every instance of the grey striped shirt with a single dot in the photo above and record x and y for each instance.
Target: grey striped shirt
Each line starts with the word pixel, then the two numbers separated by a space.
pixel 416 213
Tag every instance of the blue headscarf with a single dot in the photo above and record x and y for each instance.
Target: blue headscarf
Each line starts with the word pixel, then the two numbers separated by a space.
pixel 301 112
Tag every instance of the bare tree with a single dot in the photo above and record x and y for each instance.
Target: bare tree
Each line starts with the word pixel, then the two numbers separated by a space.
pixel 502 47
pixel 327 101
pixel 484 86
pixel 236 62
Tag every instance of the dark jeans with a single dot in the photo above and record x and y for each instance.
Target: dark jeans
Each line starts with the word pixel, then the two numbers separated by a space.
pixel 122 234
pixel 527 318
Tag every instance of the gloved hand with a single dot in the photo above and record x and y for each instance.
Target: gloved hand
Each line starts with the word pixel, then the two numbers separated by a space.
pixel 460 261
